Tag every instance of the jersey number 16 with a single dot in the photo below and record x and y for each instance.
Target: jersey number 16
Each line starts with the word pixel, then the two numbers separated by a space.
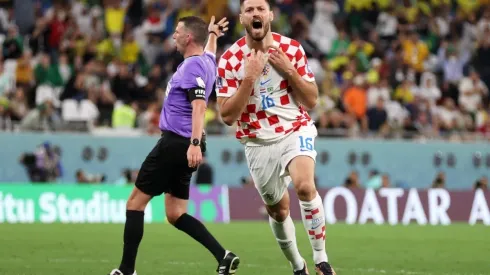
pixel 267 102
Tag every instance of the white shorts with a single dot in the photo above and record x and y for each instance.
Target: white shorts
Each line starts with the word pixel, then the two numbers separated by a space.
pixel 268 163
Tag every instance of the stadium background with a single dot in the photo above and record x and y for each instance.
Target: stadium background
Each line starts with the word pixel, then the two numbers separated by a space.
pixel 403 119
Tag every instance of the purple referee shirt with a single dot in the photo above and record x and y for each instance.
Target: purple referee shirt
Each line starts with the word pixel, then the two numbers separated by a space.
pixel 193 72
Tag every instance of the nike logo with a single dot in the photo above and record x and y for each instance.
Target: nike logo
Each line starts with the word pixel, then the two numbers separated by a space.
pixel 315 226
pixel 265 82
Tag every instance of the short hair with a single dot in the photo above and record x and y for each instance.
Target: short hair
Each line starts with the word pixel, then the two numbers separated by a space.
pixel 270 2
pixel 198 27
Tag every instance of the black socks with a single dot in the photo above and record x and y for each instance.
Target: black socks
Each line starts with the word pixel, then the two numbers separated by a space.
pixel 198 231
pixel 133 233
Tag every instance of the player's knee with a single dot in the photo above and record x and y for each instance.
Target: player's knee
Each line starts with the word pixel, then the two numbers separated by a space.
pixel 305 190
pixel 173 215
pixel 137 200
pixel 278 214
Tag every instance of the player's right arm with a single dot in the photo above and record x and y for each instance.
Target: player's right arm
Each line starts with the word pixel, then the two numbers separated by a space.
pixel 232 100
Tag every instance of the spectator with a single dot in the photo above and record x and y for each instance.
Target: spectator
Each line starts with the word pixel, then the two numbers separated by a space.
pixel 43 118
pixel 439 181
pixel 378 118
pixel 13 44
pixel 322 29
pixel 415 51
pixel 481 183
pixel 472 92
pixel 378 90
pixel 352 181
pixel 448 117
pixel 375 180
pixel 428 89
pixel 124 115
pixel 385 181
pixel 452 64
pixel 24 72
pixel 355 101
pixel 18 105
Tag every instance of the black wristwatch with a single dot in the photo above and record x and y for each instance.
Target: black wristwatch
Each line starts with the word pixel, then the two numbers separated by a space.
pixel 196 142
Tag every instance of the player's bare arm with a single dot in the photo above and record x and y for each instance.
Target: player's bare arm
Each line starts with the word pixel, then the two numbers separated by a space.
pixel 304 92
pixel 232 107
pixel 215 30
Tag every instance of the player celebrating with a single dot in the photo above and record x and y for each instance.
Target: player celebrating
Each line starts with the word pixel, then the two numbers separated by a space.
pixel 264 83
pixel 169 166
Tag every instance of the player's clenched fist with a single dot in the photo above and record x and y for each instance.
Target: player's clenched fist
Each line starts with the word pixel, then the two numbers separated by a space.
pixel 254 64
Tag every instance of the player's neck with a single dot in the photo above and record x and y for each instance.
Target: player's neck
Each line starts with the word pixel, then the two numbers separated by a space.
pixel 263 45
pixel 192 51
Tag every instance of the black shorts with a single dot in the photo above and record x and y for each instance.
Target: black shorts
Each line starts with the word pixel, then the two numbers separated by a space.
pixel 166 169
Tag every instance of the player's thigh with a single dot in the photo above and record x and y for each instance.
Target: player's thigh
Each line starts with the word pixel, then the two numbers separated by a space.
pixel 299 159
pixel 265 168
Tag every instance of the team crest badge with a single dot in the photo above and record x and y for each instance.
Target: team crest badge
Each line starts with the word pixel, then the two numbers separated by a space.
pixel 266 70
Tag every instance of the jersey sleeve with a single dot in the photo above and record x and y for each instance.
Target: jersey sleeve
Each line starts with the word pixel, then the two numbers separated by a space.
pixel 211 56
pixel 194 80
pixel 302 66
pixel 226 82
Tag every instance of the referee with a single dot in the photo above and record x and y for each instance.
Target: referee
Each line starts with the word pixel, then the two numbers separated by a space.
pixel 169 166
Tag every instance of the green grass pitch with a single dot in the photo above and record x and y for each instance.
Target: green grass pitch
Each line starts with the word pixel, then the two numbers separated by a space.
pixel 41 249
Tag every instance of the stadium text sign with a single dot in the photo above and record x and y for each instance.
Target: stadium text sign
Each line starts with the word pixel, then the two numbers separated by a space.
pixel 395 205
pixel 97 204
pixel 385 206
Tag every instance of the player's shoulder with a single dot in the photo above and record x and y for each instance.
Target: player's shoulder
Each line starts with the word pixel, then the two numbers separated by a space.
pixel 285 41
pixel 235 51
pixel 196 61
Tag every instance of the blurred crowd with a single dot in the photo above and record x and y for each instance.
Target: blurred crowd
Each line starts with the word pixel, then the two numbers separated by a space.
pixel 391 69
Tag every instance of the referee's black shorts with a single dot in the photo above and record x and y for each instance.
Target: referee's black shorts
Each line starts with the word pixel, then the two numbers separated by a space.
pixel 166 169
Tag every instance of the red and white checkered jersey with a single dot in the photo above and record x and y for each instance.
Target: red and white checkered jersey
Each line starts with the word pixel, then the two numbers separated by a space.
pixel 271 113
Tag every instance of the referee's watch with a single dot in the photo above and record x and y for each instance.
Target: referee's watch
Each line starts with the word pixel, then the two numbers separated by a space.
pixel 196 142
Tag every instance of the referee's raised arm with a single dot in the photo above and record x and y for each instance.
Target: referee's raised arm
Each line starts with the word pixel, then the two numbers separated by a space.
pixel 215 30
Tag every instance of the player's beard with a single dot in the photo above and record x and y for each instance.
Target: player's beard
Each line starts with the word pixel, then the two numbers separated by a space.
pixel 258 34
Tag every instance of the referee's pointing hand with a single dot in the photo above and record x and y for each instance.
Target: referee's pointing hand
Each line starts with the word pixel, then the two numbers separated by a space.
pixel 194 156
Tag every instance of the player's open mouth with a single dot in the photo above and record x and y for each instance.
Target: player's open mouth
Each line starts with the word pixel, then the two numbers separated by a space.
pixel 257 24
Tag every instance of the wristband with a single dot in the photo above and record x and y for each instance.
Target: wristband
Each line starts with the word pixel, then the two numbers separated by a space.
pixel 213 32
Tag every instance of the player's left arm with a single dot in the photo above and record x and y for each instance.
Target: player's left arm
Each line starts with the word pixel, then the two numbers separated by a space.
pixel 300 78
pixel 215 31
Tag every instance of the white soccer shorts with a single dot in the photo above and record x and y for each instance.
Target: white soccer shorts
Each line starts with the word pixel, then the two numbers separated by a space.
pixel 268 163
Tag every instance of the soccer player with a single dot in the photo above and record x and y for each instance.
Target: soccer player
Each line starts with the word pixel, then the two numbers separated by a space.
pixel 169 166
pixel 265 84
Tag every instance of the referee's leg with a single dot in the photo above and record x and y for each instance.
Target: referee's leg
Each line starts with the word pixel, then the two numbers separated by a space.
pixel 133 229
pixel 176 211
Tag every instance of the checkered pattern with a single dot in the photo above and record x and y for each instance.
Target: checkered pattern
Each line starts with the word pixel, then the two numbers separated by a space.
pixel 257 123
pixel 317 233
